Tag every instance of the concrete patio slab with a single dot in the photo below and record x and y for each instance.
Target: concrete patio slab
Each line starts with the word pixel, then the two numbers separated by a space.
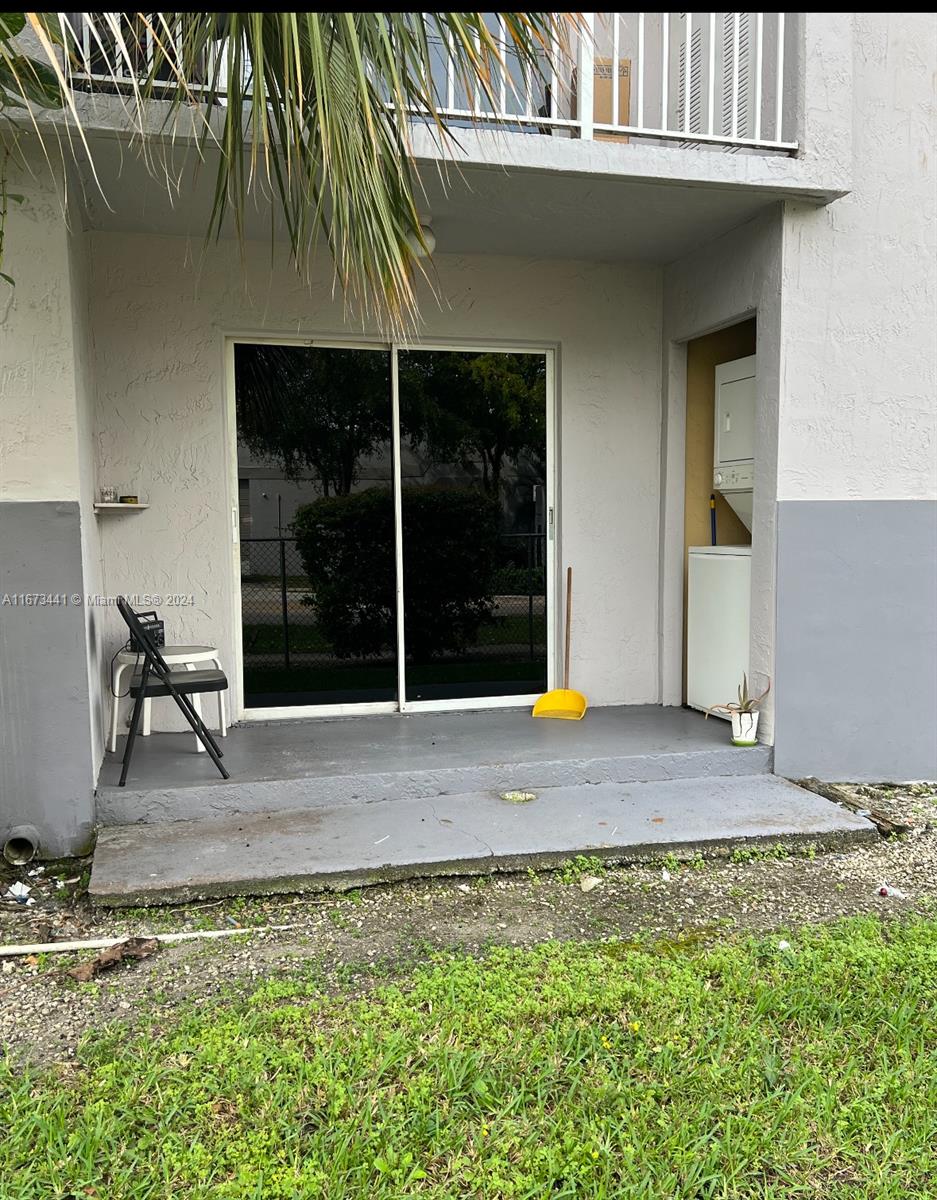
pixel 348 845
pixel 308 764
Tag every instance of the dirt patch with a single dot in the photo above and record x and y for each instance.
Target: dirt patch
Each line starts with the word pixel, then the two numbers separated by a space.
pixel 362 936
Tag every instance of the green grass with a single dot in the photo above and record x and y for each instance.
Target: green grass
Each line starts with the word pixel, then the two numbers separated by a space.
pixel 652 1072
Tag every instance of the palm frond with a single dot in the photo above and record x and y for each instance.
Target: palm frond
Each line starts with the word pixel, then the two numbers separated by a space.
pixel 312 112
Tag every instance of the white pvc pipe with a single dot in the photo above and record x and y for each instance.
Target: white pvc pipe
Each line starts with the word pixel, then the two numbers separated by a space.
pixel 106 943
pixel 21 845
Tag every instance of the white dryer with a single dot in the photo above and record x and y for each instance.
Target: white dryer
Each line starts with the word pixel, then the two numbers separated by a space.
pixel 734 441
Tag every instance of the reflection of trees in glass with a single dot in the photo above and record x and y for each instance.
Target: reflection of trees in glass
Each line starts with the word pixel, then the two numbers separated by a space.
pixel 466 407
pixel 450 538
pixel 320 411
pixel 313 410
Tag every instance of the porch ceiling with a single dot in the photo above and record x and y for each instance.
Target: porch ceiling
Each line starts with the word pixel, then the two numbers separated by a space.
pixel 476 210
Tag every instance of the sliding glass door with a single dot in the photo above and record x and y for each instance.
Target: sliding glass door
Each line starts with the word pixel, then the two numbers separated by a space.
pixel 474 507
pixel 394 513
pixel 316 506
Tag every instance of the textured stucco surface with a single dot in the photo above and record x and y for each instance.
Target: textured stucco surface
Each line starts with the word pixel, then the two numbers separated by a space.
pixel 858 413
pixel 38 420
pixel 857 639
pixel 159 326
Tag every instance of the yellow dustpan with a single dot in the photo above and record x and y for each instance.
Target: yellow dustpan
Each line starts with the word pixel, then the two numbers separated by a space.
pixel 563 703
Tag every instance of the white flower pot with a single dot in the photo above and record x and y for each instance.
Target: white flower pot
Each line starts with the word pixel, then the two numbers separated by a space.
pixel 745 728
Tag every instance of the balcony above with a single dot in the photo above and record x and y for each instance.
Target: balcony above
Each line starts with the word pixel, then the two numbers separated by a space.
pixel 709 100
pixel 688 80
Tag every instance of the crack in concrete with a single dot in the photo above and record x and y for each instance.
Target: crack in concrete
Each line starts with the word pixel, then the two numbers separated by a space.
pixel 459 829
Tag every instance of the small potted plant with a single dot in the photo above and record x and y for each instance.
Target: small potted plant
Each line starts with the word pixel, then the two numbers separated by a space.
pixel 744 714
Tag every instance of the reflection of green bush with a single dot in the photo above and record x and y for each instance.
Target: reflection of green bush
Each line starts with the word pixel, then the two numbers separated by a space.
pixel 518 581
pixel 450 546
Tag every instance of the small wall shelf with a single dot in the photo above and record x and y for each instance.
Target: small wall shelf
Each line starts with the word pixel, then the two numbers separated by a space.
pixel 118 507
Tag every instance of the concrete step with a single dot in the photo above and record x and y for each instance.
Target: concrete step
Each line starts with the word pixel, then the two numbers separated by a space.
pixel 365 760
pixel 348 845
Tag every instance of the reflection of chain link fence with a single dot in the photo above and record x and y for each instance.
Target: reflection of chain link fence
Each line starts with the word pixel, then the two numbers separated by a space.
pixel 284 650
pixel 276 624
pixel 519 628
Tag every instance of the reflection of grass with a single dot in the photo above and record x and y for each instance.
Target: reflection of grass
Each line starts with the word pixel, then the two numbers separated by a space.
pixel 292 581
pixel 378 676
pixel 268 639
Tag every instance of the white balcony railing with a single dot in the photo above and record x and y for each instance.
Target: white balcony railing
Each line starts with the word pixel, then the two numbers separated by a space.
pixel 686 80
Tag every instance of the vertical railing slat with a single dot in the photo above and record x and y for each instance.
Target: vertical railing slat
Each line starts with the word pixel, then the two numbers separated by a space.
pixel 736 39
pixel 779 107
pixel 616 23
pixel 586 106
pixel 553 101
pixel 687 71
pixel 664 68
pixel 759 59
pixel 475 100
pixel 711 99
pixel 450 73
pixel 86 42
pixel 502 50
pixel 640 70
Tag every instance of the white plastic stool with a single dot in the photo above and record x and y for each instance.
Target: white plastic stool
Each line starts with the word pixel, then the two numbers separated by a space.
pixel 179 656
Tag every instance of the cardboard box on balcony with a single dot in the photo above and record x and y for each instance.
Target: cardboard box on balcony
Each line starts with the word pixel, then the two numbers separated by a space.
pixel 602 97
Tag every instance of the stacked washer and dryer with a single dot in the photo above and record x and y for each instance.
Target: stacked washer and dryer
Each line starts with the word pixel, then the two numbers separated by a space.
pixel 719 585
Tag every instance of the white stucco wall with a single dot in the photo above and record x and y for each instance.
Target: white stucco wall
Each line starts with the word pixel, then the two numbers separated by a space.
pixel 38 416
pixel 732 278
pixel 46 389
pixel 159 325
pixel 859 415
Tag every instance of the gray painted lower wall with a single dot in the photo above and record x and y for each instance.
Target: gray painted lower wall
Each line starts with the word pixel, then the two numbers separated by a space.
pixel 46 772
pixel 856 652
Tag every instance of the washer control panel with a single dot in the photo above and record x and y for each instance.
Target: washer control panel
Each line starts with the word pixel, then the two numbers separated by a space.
pixel 735 478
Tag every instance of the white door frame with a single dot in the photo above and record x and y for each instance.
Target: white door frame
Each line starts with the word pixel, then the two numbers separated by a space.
pixel 401 705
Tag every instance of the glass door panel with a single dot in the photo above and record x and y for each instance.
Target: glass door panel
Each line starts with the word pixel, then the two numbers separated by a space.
pixel 473 430
pixel 316 501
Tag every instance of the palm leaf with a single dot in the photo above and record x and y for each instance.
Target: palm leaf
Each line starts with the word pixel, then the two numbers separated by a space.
pixel 310 112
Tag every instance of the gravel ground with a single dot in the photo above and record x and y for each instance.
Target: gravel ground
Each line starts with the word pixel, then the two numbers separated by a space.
pixel 358 937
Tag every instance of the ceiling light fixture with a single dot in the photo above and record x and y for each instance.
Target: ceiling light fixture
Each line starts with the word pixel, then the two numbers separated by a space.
pixel 424 248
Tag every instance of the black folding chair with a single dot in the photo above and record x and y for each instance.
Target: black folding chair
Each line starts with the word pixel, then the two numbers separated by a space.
pixel 157 679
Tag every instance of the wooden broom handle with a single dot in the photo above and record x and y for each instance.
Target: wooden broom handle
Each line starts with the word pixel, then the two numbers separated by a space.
pixel 569 620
